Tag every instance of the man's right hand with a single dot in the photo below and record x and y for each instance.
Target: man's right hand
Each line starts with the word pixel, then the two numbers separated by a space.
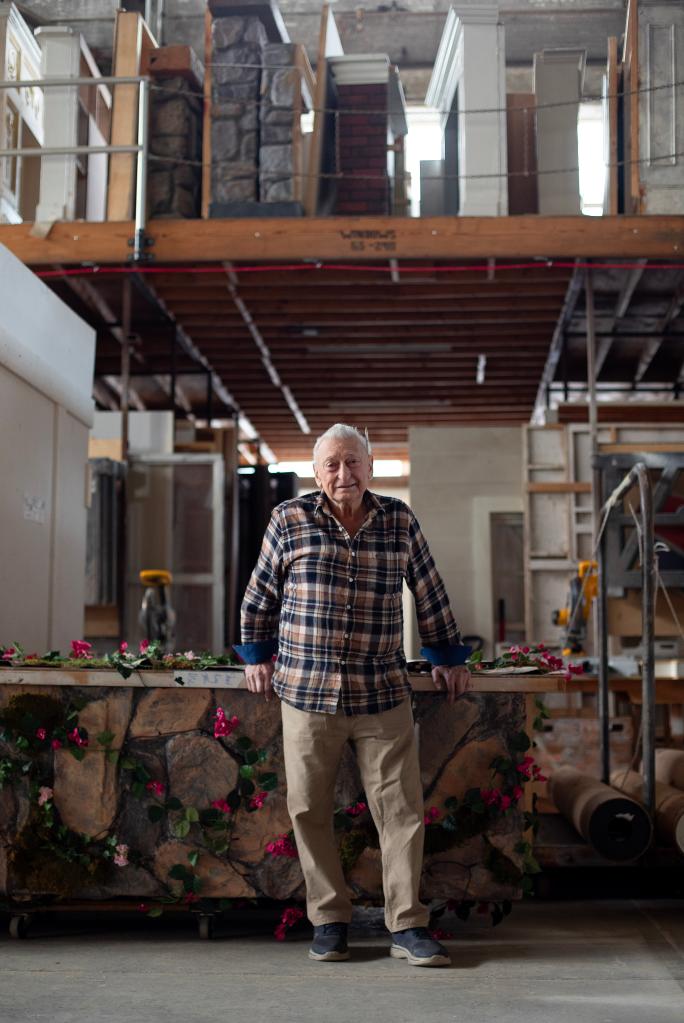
pixel 259 678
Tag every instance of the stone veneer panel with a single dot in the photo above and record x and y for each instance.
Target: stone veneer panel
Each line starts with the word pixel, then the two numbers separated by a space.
pixel 456 747
pixel 237 55
pixel 160 713
pixel 174 189
pixel 279 85
pixel 86 791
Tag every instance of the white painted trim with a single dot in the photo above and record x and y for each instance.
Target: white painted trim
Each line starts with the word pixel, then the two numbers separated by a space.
pixel 361 69
pixel 43 341
pixel 481 510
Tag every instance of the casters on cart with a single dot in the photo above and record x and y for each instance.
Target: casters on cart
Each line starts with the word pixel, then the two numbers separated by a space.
pixel 19 925
pixel 205 926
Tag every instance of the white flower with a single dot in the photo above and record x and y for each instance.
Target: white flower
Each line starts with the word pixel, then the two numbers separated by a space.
pixel 44 794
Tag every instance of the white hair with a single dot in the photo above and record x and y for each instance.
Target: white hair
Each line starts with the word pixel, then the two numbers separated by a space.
pixel 340 431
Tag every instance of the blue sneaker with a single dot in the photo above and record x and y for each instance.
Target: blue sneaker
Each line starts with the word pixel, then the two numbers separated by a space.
pixel 416 945
pixel 329 943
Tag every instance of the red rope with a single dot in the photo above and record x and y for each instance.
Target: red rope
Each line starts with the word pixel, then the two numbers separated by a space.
pixel 152 269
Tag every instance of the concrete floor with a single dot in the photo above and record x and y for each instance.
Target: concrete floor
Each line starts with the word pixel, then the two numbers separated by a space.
pixel 549 962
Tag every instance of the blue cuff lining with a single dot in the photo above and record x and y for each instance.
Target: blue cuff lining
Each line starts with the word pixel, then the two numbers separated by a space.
pixel 256 653
pixel 446 653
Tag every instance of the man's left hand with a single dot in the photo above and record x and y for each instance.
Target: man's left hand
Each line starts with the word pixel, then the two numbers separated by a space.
pixel 456 679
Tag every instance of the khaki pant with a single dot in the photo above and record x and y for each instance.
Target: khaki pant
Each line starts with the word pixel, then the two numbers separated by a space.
pixel 388 760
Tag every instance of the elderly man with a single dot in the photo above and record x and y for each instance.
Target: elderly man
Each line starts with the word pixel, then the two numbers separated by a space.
pixel 326 596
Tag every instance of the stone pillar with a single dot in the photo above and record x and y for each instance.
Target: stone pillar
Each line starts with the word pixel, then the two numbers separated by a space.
pixel 235 95
pixel 279 85
pixel 470 75
pixel 60 58
pixel 661 110
pixel 174 189
pixel 558 78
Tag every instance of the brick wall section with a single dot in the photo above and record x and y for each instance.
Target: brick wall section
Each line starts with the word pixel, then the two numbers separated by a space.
pixel 362 148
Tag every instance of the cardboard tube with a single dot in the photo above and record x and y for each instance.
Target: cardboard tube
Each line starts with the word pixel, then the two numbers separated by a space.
pixel 669 767
pixel 616 826
pixel 669 813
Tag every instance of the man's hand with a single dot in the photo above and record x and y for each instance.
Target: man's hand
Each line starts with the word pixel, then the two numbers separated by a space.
pixel 258 678
pixel 455 679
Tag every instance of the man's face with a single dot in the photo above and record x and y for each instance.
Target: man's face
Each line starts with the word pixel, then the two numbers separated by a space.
pixel 343 469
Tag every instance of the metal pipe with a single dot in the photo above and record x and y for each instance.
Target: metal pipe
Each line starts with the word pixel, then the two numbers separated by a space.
pixel 126 301
pixel 639 473
pixel 648 597
pixel 602 640
pixel 68 150
pixel 141 170
pixel 41 83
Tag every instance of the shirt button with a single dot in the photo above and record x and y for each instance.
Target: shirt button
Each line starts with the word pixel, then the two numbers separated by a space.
pixel 348 607
pixel 353 554
pixel 346 635
pixel 343 662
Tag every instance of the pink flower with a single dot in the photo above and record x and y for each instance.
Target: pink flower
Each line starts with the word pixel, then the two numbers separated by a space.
pixel 80 649
pixel 144 646
pixel 526 650
pixel 168 657
pixel 257 801
pixel 156 788
pixel 289 918
pixel 356 809
pixel 123 647
pixel 56 743
pixel 41 734
pixel 44 795
pixel 541 646
pixel 222 805
pixel 517 792
pixel 282 845
pixel 142 907
pixel 538 776
pixel 190 898
pixel 76 737
pixel 490 797
pixel 223 725
pixel 121 855
pixel 9 653
pixel 505 802
pixel 431 816
pixel 190 655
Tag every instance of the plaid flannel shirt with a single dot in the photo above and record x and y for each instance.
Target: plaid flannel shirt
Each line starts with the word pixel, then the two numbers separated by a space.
pixel 331 606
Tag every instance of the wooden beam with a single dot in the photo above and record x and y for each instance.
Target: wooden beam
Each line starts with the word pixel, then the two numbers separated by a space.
pixel 316 141
pixel 132 41
pixel 452 239
pixel 557 342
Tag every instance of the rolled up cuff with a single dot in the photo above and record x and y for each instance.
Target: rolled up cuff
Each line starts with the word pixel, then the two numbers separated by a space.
pixel 446 653
pixel 256 653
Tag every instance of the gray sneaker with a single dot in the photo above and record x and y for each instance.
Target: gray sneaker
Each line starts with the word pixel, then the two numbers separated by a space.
pixel 416 945
pixel 329 943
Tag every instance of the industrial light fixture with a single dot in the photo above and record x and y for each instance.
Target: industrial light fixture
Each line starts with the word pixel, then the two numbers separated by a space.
pixel 480 372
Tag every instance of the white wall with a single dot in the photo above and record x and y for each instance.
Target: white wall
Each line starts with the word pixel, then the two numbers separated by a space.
pixel 46 373
pixel 459 477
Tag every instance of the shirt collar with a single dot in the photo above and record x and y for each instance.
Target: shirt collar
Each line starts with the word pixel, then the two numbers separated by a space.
pixel 370 500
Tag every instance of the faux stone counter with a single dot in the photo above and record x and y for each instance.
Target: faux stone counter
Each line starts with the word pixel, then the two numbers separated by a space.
pixel 169 729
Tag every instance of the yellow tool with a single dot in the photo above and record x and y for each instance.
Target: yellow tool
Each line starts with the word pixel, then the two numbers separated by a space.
pixel 157 619
pixel 574 617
